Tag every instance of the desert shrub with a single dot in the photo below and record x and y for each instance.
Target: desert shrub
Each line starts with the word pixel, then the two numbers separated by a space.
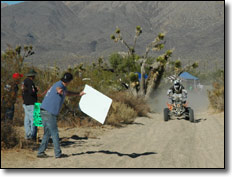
pixel 18 119
pixel 119 114
pixel 9 136
pixel 73 117
pixel 124 63
pixel 25 144
pixel 125 108
pixel 115 60
pixel 216 95
pixel 137 103
pixel 101 79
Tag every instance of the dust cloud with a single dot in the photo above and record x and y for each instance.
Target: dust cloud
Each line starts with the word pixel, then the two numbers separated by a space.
pixel 197 100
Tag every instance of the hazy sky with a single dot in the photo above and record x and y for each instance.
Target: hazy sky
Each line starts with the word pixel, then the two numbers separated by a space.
pixel 11 2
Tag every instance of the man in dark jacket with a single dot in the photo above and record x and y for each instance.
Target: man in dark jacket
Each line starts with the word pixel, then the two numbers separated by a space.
pixel 29 98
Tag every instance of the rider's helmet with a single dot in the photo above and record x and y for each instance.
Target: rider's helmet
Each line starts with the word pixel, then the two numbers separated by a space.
pixel 177 85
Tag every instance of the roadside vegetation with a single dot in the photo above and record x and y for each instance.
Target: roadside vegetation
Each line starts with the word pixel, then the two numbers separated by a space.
pixel 98 75
pixel 216 95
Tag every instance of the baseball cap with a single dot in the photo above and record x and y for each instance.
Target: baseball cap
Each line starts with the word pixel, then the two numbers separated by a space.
pixel 67 77
pixel 32 72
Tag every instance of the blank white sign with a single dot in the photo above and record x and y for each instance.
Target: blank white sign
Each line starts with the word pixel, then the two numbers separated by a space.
pixel 95 104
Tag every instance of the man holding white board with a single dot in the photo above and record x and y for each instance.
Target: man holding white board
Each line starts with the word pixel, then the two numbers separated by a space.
pixel 92 103
pixel 50 109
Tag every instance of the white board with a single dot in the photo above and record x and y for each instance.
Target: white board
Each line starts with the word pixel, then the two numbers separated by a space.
pixel 95 104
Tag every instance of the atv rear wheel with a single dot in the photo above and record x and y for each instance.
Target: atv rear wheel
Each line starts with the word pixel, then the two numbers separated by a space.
pixel 166 114
pixel 191 115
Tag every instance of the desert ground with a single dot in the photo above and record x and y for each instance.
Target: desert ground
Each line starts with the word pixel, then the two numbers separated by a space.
pixel 147 143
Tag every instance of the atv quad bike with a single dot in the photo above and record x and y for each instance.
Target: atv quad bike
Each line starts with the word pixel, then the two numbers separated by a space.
pixel 178 109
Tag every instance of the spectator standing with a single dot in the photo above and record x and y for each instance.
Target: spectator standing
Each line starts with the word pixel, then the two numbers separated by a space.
pixel 29 98
pixel 50 108
pixel 9 98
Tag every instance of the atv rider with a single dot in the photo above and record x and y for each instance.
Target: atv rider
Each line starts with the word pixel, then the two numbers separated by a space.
pixel 177 88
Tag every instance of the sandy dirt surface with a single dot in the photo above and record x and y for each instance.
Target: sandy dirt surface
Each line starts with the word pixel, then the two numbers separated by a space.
pixel 148 143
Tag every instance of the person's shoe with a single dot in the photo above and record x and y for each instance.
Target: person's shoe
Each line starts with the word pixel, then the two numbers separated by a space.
pixel 42 155
pixel 62 156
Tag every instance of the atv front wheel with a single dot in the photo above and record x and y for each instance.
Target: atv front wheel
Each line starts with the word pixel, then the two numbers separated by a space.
pixel 191 115
pixel 166 114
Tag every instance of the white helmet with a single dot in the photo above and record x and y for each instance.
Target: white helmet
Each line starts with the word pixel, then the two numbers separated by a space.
pixel 177 85
pixel 177 81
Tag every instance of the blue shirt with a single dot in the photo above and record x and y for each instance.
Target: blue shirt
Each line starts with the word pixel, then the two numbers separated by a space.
pixel 53 101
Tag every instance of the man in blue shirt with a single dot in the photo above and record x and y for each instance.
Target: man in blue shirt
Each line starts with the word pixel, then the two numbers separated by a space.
pixel 50 108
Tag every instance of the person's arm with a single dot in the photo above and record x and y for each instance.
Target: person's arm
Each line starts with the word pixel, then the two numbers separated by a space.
pixel 185 93
pixel 44 92
pixel 169 92
pixel 69 93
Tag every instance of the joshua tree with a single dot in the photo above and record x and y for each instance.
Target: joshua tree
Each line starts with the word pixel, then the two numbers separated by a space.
pixel 13 59
pixel 118 37
pixel 155 69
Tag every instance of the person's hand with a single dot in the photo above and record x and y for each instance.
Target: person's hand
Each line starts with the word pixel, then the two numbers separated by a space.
pixel 82 93
pixel 59 90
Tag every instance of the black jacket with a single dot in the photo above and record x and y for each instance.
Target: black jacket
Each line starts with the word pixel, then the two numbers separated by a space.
pixel 29 92
pixel 178 91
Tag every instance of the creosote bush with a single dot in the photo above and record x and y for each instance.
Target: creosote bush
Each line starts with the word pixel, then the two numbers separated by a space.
pixel 216 95
pixel 9 136
pixel 119 114
pixel 137 103
pixel 125 108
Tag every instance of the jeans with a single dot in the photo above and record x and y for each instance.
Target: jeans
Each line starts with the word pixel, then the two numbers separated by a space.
pixel 30 129
pixel 50 129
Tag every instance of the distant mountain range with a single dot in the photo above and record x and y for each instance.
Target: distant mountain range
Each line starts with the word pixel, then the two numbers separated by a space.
pixel 68 32
pixel 4 5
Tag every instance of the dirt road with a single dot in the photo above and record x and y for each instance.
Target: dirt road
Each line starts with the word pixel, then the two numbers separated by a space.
pixel 148 143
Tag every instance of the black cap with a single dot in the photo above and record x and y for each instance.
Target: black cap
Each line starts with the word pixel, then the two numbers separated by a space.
pixel 31 73
pixel 67 77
